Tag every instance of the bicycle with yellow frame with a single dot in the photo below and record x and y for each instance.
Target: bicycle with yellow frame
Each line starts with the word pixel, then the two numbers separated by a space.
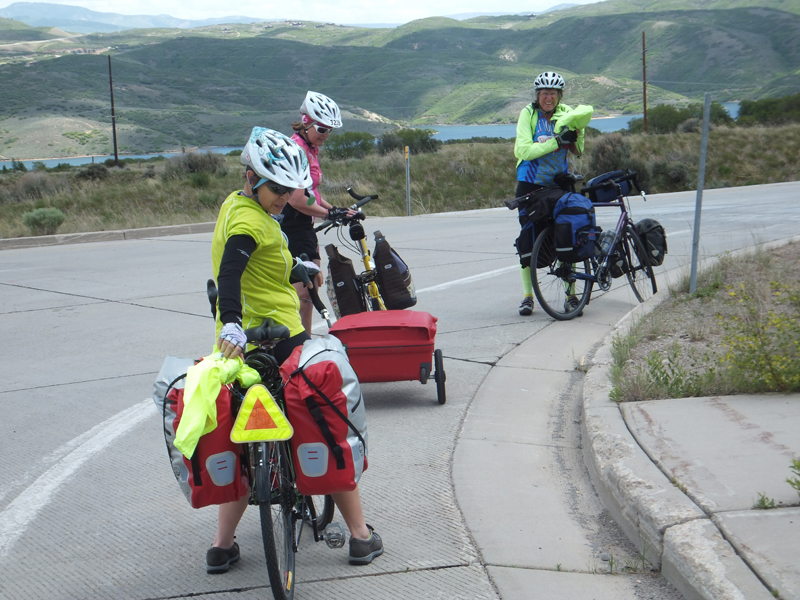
pixel 365 281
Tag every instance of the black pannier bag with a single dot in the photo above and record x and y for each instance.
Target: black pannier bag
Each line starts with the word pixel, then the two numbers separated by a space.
pixel 539 205
pixel 654 239
pixel 343 290
pixel 392 276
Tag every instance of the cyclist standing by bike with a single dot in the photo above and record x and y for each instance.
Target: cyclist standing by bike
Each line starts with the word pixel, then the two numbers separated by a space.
pixel 319 115
pixel 253 268
pixel 541 155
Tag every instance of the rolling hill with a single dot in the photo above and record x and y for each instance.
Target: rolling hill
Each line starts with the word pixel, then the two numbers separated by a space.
pixel 207 85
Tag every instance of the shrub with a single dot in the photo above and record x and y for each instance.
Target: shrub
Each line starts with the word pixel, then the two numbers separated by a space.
pixel 610 153
pixel 665 118
pixel 182 165
pixel 94 171
pixel 43 221
pixel 669 174
pixel 691 125
pixel 35 185
pixel 200 180
pixel 351 144
pixel 769 111
pixel 763 345
pixel 419 141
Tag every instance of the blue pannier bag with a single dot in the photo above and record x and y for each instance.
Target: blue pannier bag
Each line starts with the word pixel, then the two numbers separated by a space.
pixel 609 193
pixel 576 230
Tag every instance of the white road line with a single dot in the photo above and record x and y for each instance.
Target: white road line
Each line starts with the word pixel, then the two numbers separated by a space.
pixel 471 279
pixel 442 286
pixel 16 517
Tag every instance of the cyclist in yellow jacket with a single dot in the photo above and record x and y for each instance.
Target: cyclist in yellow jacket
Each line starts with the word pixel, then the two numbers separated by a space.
pixel 541 155
pixel 253 269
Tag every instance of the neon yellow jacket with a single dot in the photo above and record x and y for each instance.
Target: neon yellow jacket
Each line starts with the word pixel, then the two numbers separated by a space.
pixel 524 146
pixel 203 383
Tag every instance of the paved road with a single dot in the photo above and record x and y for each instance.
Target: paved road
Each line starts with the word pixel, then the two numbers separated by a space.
pixel 89 509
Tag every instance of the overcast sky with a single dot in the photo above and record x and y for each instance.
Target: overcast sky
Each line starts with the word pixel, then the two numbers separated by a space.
pixel 338 11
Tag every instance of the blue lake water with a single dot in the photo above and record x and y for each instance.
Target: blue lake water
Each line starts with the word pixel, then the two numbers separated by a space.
pixel 444 133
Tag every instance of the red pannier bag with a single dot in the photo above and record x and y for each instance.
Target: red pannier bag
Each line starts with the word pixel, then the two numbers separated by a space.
pixel 215 473
pixel 326 409
pixel 388 345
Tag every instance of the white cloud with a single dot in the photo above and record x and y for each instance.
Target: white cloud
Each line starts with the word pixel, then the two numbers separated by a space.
pixel 337 11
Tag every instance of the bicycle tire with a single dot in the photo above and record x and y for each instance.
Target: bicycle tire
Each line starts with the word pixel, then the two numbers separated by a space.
pixel 277 524
pixel 324 508
pixel 553 283
pixel 440 376
pixel 639 271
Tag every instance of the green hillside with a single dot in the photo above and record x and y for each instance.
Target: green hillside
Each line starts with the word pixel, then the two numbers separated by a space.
pixel 12 31
pixel 207 86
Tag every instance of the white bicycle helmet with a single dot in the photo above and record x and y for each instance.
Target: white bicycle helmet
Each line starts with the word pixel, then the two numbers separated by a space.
pixel 275 157
pixel 321 109
pixel 548 80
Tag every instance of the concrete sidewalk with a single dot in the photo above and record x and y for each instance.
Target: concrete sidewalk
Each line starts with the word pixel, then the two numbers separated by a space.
pixel 682 477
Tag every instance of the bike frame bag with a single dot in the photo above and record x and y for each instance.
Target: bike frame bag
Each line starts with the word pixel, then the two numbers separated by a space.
pixel 215 473
pixel 326 409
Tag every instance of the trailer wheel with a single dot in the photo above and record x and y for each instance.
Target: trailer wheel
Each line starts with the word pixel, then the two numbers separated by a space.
pixel 439 376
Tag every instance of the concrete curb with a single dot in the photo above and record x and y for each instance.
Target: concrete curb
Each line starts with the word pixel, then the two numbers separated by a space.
pixel 104 236
pixel 664 524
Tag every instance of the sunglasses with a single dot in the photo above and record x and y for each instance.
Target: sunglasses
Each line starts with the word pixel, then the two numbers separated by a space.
pixel 275 188
pixel 321 129
pixel 279 190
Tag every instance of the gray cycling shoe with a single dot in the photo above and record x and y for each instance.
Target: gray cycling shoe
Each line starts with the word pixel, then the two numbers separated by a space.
pixel 363 551
pixel 571 303
pixel 526 307
pixel 219 560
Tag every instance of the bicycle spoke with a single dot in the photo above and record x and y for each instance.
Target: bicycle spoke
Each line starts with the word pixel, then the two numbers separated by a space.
pixel 639 272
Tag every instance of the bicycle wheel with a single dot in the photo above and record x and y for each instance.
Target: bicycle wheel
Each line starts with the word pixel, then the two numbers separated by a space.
pixel 560 293
pixel 323 508
pixel 277 523
pixel 639 271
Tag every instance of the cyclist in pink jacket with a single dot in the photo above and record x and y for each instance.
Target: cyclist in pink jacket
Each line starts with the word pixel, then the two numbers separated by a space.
pixel 319 115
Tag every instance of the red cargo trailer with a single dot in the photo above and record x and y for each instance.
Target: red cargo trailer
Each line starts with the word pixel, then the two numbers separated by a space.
pixel 392 345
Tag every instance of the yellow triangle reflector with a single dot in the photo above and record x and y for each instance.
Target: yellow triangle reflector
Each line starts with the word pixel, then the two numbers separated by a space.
pixel 260 419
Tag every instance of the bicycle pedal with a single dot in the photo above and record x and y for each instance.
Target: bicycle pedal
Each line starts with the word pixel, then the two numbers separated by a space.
pixel 334 535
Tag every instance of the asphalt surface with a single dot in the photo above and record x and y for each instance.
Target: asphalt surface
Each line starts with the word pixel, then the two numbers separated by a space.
pixel 486 496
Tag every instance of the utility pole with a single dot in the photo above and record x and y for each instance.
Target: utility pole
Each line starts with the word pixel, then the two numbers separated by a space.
pixel 113 116
pixel 644 82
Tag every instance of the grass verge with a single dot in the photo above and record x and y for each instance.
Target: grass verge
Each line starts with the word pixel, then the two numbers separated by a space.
pixel 739 332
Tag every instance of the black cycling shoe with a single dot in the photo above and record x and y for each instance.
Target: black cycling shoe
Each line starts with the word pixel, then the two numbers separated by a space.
pixel 526 307
pixel 219 560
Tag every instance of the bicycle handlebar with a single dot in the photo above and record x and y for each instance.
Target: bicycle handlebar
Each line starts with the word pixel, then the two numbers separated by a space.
pixel 361 201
